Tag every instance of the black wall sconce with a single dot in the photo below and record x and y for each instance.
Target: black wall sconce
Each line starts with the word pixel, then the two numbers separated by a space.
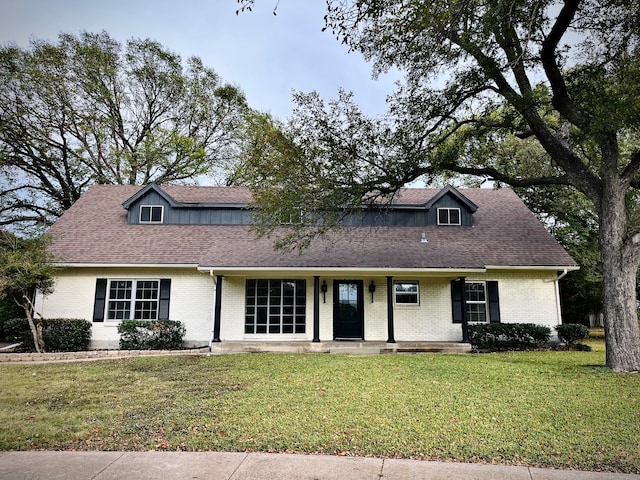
pixel 324 291
pixel 372 288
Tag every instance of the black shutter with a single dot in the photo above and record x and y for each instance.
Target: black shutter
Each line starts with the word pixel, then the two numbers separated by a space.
pixel 456 300
pixel 99 300
pixel 165 294
pixel 494 302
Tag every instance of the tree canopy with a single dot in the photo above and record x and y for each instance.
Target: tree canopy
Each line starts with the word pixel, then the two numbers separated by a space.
pixel 486 85
pixel 89 109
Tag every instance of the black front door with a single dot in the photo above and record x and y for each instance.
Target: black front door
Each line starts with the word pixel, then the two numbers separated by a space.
pixel 348 317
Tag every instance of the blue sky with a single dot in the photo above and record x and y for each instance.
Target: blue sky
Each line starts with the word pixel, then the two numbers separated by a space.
pixel 267 56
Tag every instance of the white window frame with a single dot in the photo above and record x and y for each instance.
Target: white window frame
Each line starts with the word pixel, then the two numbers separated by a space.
pixel 133 300
pixel 477 303
pixel 151 207
pixel 401 293
pixel 449 216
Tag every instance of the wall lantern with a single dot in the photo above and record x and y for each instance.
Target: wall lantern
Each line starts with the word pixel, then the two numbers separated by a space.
pixel 324 291
pixel 372 288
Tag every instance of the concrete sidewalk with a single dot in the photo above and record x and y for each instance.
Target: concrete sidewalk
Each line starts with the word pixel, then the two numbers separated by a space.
pixel 33 465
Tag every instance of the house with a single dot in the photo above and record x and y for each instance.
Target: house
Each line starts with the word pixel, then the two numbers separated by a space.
pixel 421 271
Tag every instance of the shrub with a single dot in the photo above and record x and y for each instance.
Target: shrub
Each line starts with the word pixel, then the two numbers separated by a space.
pixel 569 333
pixel 66 334
pixel 151 334
pixel 508 336
pixel 8 310
pixel 59 334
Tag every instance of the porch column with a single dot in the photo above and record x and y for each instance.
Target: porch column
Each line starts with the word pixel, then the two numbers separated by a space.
pixel 465 316
pixel 217 309
pixel 316 308
pixel 391 338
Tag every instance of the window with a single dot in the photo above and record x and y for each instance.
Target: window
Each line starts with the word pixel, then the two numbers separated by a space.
pixel 407 293
pixel 476 298
pixel 151 213
pixel 133 299
pixel 275 306
pixel 448 216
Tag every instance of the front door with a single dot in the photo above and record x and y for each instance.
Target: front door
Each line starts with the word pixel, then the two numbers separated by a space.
pixel 348 307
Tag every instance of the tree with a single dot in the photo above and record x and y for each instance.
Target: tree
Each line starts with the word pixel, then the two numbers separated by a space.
pixel 26 268
pixel 564 76
pixel 91 110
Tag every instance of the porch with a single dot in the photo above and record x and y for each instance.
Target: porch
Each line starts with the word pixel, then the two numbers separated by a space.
pixel 348 347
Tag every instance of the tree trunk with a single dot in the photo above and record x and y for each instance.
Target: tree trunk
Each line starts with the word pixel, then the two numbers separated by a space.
pixel 620 260
pixel 36 330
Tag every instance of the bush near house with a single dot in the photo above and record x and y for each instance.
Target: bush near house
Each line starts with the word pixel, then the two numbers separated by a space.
pixel 59 334
pixel 151 334
pixel 8 310
pixel 570 333
pixel 494 337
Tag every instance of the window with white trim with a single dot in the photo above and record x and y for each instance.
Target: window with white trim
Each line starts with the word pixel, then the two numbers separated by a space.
pixel 275 306
pixel 407 293
pixel 133 299
pixel 476 299
pixel 448 216
pixel 151 213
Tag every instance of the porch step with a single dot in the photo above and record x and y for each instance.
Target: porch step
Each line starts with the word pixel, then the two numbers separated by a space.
pixel 355 350
pixel 344 348
pixel 427 347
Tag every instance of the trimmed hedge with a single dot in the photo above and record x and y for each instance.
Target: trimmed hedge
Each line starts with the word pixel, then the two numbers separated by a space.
pixel 151 334
pixel 569 333
pixel 508 336
pixel 59 334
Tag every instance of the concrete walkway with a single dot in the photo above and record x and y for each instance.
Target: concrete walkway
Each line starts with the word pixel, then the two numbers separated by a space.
pixel 34 465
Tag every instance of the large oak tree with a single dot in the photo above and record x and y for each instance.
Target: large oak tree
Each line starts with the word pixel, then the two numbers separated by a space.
pixel 89 109
pixel 479 75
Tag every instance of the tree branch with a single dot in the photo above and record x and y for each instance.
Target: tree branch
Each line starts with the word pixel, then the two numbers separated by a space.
pixel 561 99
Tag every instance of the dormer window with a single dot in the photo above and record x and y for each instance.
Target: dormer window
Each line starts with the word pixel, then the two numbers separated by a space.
pixel 448 216
pixel 151 213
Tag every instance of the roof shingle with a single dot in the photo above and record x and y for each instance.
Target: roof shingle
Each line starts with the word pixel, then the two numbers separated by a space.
pixel 505 233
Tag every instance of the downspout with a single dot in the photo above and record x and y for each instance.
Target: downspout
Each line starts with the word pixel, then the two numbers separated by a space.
pixel 213 308
pixel 557 288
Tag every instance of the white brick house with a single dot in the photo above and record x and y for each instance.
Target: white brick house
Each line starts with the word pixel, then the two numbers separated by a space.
pixel 435 261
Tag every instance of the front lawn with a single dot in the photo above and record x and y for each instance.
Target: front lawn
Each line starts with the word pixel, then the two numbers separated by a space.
pixel 560 409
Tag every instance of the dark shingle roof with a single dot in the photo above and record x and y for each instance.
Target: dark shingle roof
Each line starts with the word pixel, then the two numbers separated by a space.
pixel 505 233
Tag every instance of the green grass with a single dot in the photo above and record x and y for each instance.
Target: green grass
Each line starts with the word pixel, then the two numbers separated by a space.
pixel 555 408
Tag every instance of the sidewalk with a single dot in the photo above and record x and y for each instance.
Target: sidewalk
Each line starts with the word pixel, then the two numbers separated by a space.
pixel 33 465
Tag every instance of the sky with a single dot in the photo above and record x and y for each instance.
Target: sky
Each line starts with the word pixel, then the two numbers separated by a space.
pixel 267 56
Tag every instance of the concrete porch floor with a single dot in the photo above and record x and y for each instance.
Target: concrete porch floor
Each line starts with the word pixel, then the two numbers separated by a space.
pixel 344 347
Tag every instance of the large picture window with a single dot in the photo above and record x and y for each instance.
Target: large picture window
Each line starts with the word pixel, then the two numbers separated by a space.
pixel 275 306
pixel 476 301
pixel 133 299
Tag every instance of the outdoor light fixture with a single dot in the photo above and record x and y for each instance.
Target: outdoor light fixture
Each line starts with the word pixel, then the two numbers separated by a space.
pixel 423 238
pixel 324 291
pixel 372 288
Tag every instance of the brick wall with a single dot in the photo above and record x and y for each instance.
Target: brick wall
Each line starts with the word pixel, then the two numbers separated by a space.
pixel 191 301
pixel 525 296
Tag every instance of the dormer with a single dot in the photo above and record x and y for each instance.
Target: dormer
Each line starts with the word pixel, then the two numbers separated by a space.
pixel 449 207
pixel 152 205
